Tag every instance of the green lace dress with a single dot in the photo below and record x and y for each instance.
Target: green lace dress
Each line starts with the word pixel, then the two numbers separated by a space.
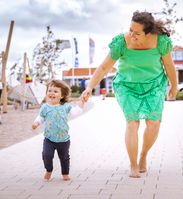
pixel 140 83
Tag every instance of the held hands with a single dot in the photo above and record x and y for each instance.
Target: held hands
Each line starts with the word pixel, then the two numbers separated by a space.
pixel 86 94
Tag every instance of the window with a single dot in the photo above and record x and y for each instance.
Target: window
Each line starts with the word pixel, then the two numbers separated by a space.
pixel 180 76
pixel 178 55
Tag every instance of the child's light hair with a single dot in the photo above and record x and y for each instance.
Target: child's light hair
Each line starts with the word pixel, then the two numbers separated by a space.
pixel 65 89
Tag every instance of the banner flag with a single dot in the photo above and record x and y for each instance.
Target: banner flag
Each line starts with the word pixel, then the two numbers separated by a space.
pixel 76 63
pixel 91 50
pixel 76 46
pixel 76 60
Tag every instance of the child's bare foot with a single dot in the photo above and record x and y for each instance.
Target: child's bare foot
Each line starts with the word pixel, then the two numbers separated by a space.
pixel 66 177
pixel 47 176
pixel 134 173
pixel 142 165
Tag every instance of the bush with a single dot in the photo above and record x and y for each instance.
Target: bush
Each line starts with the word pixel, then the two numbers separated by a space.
pixel 75 95
pixel 75 89
pixel 110 94
pixel 179 95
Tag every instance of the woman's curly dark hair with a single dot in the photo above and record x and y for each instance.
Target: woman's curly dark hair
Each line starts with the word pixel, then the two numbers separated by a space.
pixel 150 24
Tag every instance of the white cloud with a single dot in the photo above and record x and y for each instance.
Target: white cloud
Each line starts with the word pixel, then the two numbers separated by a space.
pixel 68 17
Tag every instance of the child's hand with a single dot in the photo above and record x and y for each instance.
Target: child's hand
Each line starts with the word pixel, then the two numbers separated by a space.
pixel 35 125
pixel 81 103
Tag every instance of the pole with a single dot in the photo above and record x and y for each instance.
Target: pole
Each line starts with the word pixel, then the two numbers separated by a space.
pixel 73 60
pixel 4 91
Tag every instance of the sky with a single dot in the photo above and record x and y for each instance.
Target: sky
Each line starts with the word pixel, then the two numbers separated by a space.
pixel 100 20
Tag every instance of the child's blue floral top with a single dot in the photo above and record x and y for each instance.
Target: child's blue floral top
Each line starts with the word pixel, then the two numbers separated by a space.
pixel 55 119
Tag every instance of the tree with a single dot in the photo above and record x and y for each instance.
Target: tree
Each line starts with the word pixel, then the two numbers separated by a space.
pixel 46 56
pixel 169 15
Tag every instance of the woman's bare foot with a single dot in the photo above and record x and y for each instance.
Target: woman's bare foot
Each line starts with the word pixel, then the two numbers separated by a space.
pixel 66 177
pixel 134 173
pixel 47 176
pixel 142 165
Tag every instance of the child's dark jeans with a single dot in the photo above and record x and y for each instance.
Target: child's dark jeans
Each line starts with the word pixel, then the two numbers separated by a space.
pixel 62 148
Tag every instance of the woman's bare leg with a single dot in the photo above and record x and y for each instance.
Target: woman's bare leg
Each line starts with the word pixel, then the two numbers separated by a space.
pixel 131 139
pixel 150 136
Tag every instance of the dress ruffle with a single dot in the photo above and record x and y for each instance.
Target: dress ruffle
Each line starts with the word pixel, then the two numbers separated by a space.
pixel 164 44
pixel 117 47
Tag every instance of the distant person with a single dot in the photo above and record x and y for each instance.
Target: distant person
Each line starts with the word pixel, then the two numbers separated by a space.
pixel 1 89
pixel 54 114
pixel 140 84
pixel 103 89
pixel 83 85
pixel 103 93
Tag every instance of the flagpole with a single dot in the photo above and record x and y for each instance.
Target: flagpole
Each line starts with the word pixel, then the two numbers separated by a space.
pixel 72 60
pixel 89 56
pixel 76 60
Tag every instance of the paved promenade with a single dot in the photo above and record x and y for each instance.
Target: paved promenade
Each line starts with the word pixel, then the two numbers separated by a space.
pixel 99 162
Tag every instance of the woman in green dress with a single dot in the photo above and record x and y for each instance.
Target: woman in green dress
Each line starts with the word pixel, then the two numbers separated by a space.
pixel 144 67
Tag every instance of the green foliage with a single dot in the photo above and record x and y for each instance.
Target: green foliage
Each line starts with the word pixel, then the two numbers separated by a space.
pixel 110 94
pixel 75 89
pixel 179 95
pixel 46 56
pixel 169 14
pixel 75 95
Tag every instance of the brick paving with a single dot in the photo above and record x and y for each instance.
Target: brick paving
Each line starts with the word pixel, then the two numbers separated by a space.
pixel 99 162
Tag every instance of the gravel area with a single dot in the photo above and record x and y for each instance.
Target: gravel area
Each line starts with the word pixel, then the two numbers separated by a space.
pixel 16 126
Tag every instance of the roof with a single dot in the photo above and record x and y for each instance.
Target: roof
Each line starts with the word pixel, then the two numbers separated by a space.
pixel 80 72
pixel 177 48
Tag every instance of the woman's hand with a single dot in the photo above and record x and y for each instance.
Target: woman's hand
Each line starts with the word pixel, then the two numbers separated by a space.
pixel 172 93
pixel 86 94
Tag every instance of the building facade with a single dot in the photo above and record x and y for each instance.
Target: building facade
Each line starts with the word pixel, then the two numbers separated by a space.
pixel 177 55
pixel 75 76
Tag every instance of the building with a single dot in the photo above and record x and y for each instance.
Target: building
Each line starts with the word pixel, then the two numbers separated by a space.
pixel 178 61
pixel 74 76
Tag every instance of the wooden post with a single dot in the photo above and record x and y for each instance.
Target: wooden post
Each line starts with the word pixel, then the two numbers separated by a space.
pixel 4 92
pixel 73 62
pixel 28 65
pixel 4 62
